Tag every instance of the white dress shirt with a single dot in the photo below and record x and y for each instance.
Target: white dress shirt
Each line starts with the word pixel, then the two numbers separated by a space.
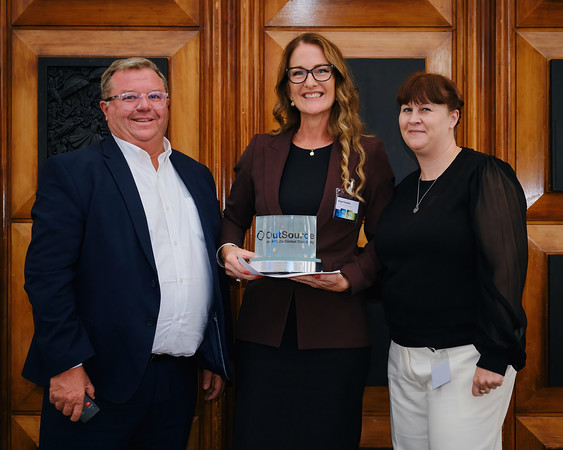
pixel 179 250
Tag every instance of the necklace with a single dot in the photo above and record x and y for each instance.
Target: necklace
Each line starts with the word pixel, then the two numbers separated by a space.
pixel 313 150
pixel 415 210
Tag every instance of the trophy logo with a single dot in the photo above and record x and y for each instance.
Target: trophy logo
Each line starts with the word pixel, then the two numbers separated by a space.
pixel 286 244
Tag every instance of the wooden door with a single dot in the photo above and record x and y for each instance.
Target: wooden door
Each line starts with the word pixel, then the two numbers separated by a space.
pixel 221 58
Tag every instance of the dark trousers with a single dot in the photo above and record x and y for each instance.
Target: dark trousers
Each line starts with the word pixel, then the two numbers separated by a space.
pixel 158 416
pixel 291 399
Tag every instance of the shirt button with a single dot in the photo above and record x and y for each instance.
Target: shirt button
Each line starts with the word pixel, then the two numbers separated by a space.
pixel 153 283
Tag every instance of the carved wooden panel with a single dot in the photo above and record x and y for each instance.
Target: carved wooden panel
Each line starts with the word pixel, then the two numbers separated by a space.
pixel 357 13
pixel 25 396
pixel 534 49
pixel 25 432
pixel 180 47
pixel 107 13
pixel 533 394
pixel 434 46
pixel 539 13
pixel 539 433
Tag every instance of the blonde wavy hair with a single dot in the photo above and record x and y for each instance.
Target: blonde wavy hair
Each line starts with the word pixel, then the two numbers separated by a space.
pixel 344 123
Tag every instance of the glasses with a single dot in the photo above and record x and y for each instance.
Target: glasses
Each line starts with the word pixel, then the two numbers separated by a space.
pixel 298 75
pixel 132 100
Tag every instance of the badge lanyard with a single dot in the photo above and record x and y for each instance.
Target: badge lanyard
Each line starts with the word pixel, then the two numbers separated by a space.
pixel 345 206
pixel 440 366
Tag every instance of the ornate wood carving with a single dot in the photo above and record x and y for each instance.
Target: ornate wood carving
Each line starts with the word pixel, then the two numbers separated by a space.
pixel 70 117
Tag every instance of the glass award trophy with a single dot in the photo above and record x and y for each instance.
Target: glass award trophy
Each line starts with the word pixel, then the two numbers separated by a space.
pixel 286 244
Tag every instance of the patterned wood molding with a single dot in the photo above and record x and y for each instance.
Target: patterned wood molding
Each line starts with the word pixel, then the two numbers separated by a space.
pixel 534 49
pixel 117 13
pixel 539 13
pixel 434 46
pixel 357 13
pixel 180 47
pixel 251 75
pixel 532 391
pixel 25 432
pixel 539 433
pixel 474 72
pixel 219 110
pixel 504 93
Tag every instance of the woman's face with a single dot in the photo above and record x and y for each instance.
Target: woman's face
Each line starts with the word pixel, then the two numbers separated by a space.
pixel 428 126
pixel 312 97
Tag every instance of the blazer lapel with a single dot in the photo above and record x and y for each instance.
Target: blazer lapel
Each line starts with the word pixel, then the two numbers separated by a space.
pixel 333 181
pixel 275 157
pixel 125 182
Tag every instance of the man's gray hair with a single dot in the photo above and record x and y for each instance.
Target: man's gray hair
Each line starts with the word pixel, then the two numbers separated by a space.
pixel 134 63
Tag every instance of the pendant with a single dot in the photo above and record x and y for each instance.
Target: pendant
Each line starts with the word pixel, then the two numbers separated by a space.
pixel 415 210
pixel 312 153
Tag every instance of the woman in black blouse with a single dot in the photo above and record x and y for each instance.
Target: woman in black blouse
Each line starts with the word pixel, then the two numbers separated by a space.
pixel 454 245
pixel 303 343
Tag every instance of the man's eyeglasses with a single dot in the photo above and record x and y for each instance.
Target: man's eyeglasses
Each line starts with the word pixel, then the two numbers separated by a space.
pixel 298 75
pixel 132 100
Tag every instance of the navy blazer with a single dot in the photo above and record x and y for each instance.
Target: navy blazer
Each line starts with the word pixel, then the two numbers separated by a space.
pixel 90 272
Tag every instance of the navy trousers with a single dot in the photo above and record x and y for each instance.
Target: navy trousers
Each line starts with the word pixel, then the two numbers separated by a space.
pixel 158 416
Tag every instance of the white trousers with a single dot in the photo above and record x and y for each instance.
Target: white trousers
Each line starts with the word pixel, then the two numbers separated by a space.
pixel 448 417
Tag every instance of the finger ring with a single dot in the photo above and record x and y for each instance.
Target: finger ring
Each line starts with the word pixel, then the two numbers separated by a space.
pixel 238 280
pixel 482 391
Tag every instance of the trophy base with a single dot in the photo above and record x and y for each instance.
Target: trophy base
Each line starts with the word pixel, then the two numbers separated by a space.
pixel 272 266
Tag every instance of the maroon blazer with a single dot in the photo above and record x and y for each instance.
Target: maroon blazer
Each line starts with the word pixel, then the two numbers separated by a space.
pixel 324 319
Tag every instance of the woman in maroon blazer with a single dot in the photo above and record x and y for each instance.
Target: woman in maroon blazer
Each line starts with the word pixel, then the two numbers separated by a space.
pixel 303 343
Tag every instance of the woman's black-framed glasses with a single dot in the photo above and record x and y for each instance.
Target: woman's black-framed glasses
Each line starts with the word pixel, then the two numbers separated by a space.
pixel 298 75
pixel 132 100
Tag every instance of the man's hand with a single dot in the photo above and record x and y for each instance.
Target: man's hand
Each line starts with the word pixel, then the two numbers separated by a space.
pixel 213 385
pixel 66 391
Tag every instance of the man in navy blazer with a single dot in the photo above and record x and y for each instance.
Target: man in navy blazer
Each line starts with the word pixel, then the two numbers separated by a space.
pixel 121 274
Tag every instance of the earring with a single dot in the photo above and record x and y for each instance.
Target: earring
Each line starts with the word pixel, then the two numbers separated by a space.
pixel 292 104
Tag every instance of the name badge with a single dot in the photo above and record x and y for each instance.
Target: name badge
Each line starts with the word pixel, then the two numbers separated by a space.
pixel 345 207
pixel 440 366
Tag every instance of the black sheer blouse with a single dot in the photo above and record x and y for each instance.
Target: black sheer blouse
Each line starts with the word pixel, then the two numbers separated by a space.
pixel 455 270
